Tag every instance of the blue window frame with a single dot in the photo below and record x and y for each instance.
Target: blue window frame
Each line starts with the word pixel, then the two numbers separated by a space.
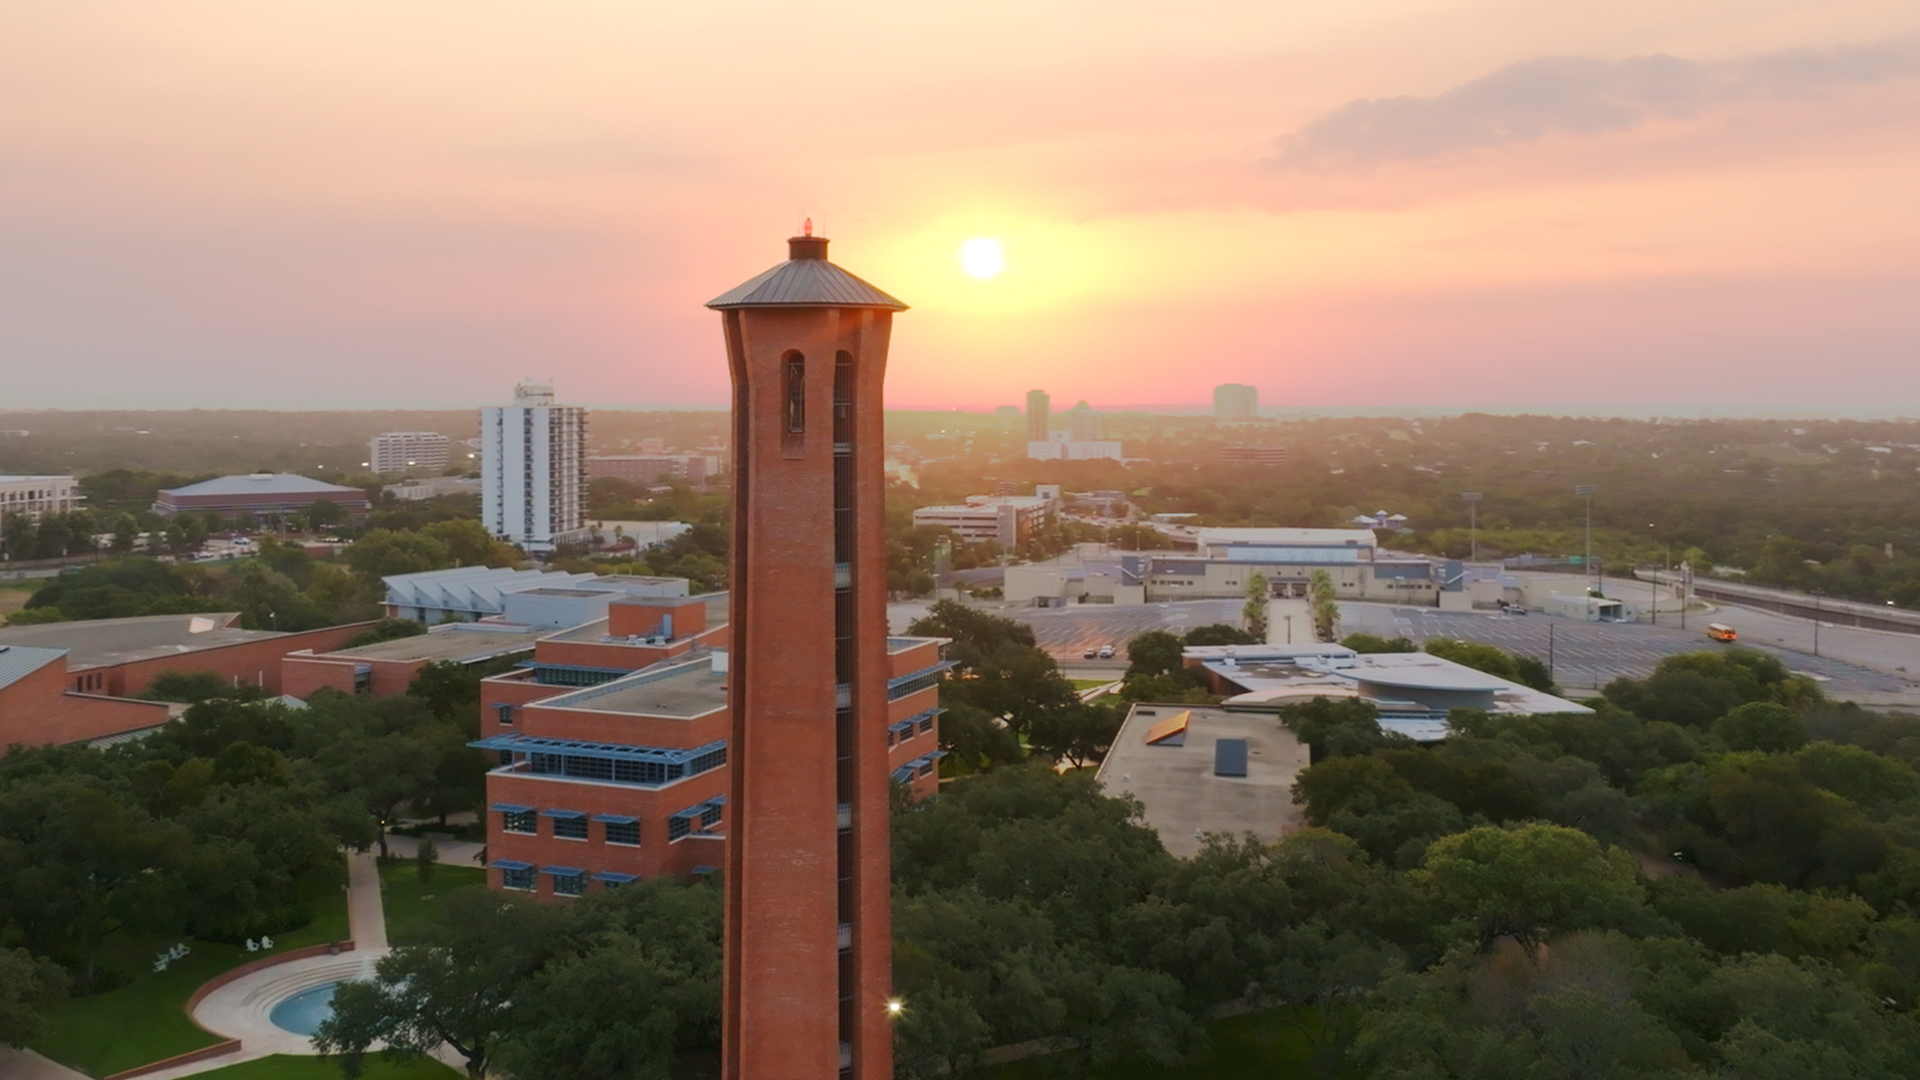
pixel 515 818
pixel 568 824
pixel 505 712
pixel 514 875
pixel 611 880
pixel 620 830
pixel 702 817
pixel 915 681
pixel 612 763
pixel 568 880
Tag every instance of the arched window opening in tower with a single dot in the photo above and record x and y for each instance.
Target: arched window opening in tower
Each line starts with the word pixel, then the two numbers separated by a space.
pixel 796 393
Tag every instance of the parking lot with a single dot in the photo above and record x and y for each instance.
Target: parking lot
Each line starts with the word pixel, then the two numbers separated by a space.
pixel 1067 633
pixel 1590 654
pixel 1585 655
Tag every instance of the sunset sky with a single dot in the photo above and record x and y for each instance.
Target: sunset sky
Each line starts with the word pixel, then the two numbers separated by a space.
pixel 1477 203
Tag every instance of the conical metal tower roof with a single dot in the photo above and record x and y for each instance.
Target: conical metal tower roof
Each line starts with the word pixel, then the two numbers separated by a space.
pixel 806 279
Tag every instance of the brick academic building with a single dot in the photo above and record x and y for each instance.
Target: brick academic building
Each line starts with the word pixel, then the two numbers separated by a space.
pixel 612 746
pixel 74 681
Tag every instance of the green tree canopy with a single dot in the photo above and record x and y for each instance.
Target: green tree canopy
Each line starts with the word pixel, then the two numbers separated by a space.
pixel 1528 882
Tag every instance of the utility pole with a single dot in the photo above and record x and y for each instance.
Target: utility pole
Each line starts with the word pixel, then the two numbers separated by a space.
pixel 1473 524
pixel 1586 492
pixel 1550 677
pixel 1816 622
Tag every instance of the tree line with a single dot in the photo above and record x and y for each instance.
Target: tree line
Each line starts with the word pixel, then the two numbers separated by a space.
pixel 224 825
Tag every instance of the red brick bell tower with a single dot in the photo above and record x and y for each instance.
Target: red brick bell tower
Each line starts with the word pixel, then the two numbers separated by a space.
pixel 808 964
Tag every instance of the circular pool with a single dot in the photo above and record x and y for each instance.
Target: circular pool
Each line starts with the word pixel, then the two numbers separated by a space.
pixel 302 1013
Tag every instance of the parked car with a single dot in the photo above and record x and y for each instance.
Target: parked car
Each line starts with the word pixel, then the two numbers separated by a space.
pixel 1516 609
pixel 1090 654
pixel 1106 652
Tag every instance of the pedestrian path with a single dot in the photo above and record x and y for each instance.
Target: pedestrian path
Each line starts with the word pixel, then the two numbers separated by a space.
pixel 452 852
pixel 242 1008
pixel 27 1065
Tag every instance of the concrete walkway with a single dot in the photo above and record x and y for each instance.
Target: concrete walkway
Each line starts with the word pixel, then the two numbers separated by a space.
pixel 452 852
pixel 27 1065
pixel 242 1008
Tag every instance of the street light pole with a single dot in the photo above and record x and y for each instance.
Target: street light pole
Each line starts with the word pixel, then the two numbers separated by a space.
pixel 1816 622
pixel 1473 524
pixel 1586 492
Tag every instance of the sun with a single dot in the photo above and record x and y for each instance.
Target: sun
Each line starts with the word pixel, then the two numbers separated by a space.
pixel 981 257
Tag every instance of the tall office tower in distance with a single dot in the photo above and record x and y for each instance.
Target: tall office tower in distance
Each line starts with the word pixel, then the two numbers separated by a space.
pixel 533 470
pixel 808 957
pixel 1236 403
pixel 1039 416
pixel 1083 424
pixel 403 451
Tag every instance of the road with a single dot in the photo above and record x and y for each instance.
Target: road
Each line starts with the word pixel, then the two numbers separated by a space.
pixel 1590 654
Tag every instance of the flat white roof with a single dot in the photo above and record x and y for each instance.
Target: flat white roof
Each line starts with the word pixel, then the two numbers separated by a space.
pixel 1277 682
pixel 1328 537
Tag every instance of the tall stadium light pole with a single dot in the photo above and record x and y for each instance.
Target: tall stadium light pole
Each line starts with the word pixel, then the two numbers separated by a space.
pixel 1586 491
pixel 1473 524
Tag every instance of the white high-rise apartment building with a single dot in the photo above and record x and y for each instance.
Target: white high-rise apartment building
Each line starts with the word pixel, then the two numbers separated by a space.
pixel 533 469
pixel 401 451
pixel 1236 404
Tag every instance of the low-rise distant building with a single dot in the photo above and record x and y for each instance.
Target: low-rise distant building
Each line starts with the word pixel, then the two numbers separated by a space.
pixel 1254 455
pixel 258 494
pixel 654 468
pixel 433 487
pixel 641 534
pixel 1008 520
pixel 1226 559
pixel 402 451
pixel 1063 447
pixel 473 593
pixel 1380 519
pixel 36 495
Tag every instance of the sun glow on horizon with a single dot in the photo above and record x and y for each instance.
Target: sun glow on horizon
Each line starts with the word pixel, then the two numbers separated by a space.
pixel 982 257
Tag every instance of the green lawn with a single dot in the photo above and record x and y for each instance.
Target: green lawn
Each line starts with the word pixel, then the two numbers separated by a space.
pixel 1269 1044
pixel 146 1019
pixel 1088 684
pixel 409 904
pixel 291 1067
pixel 14 596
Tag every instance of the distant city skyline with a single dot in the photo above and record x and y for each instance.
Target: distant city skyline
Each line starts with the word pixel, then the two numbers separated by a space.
pixel 1470 206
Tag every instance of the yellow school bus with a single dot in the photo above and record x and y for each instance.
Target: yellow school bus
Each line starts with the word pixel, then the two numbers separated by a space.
pixel 1721 632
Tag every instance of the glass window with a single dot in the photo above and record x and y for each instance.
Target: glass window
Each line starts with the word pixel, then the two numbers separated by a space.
pixel 520 878
pixel 678 826
pixel 570 828
pixel 623 832
pixel 570 884
pixel 519 821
